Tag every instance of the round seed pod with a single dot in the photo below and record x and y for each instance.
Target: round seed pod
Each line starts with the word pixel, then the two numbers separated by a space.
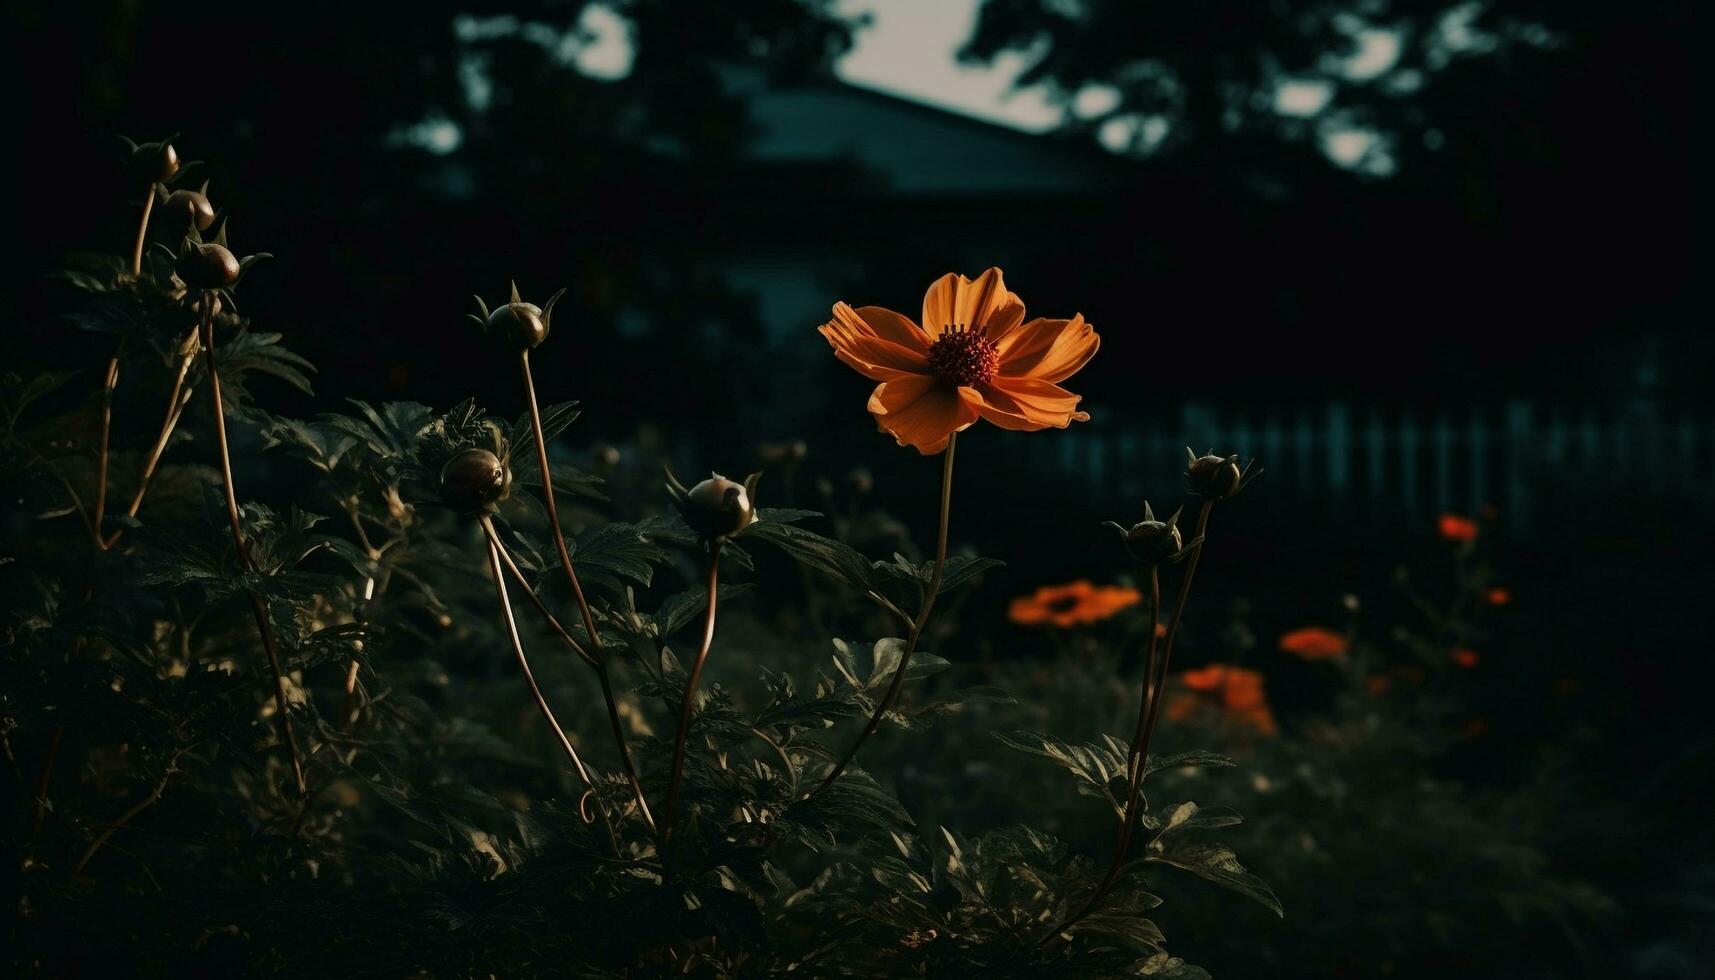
pixel 474 480
pixel 155 162
pixel 521 325
pixel 209 265
pixel 1217 477
pixel 189 208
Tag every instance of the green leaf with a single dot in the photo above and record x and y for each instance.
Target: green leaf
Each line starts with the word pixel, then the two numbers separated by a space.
pixel 1218 863
pixel 614 552
pixel 884 661
pixel 961 569
pixel 810 549
pixel 260 353
pixel 1164 967
pixel 555 420
pixel 680 608
pixel 1184 760
pixel 1123 926
pixel 1190 816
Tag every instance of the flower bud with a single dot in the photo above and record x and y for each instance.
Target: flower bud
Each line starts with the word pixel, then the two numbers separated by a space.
pixel 1151 541
pixel 1216 477
pixel 473 480
pixel 521 325
pixel 188 208
pixel 716 508
pixel 208 265
pixel 154 162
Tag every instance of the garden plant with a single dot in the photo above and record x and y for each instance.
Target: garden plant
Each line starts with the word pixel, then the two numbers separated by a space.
pixel 446 708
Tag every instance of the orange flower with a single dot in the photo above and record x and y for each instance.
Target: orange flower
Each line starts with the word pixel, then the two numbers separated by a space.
pixel 1464 658
pixel 1071 604
pixel 1498 596
pixel 1236 691
pixel 1314 643
pixel 973 357
pixel 1453 527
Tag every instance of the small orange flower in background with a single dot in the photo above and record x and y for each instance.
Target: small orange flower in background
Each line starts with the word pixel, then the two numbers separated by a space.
pixel 1072 604
pixel 1236 691
pixel 973 357
pixel 1464 658
pixel 1498 596
pixel 1314 643
pixel 1453 527
pixel 1377 685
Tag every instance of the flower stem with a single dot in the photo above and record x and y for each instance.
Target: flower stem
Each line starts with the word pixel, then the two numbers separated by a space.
pixel 594 637
pixel 142 232
pixel 542 608
pixel 112 380
pixel 678 772
pixel 263 628
pixel 571 751
pixel 177 399
pixel 1178 619
pixel 1155 680
pixel 130 814
pixel 916 631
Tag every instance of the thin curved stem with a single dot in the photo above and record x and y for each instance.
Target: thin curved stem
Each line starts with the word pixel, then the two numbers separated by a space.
pixel 916 631
pixel 1148 712
pixel 129 815
pixel 542 609
pixel 111 380
pixel 177 399
pixel 142 232
pixel 691 682
pixel 571 751
pixel 1134 765
pixel 1178 616
pixel 260 611
pixel 785 755
pixel 559 536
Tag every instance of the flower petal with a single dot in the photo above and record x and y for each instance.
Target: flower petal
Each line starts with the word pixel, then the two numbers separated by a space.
pixel 984 303
pixel 921 412
pixel 1052 350
pixel 1028 404
pixel 881 322
pixel 857 344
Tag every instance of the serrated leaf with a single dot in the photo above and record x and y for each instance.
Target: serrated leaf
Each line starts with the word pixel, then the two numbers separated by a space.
pixel 810 549
pixel 1218 863
pixel 961 569
pixel 681 607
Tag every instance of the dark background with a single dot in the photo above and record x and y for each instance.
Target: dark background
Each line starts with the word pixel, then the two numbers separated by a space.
pixel 1518 282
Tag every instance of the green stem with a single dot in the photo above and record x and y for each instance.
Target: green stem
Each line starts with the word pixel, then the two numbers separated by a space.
pixel 495 565
pixel 594 637
pixel 130 814
pixel 260 611
pixel 177 399
pixel 111 380
pixel 1154 683
pixel 678 772
pixel 917 624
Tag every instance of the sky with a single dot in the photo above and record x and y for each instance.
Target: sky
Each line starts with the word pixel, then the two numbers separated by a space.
pixel 910 49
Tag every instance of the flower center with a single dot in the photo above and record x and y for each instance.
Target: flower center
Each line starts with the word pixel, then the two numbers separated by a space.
pixel 964 356
pixel 1065 603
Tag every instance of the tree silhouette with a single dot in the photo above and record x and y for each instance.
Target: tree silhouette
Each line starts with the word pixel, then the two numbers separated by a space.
pixel 1370 85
